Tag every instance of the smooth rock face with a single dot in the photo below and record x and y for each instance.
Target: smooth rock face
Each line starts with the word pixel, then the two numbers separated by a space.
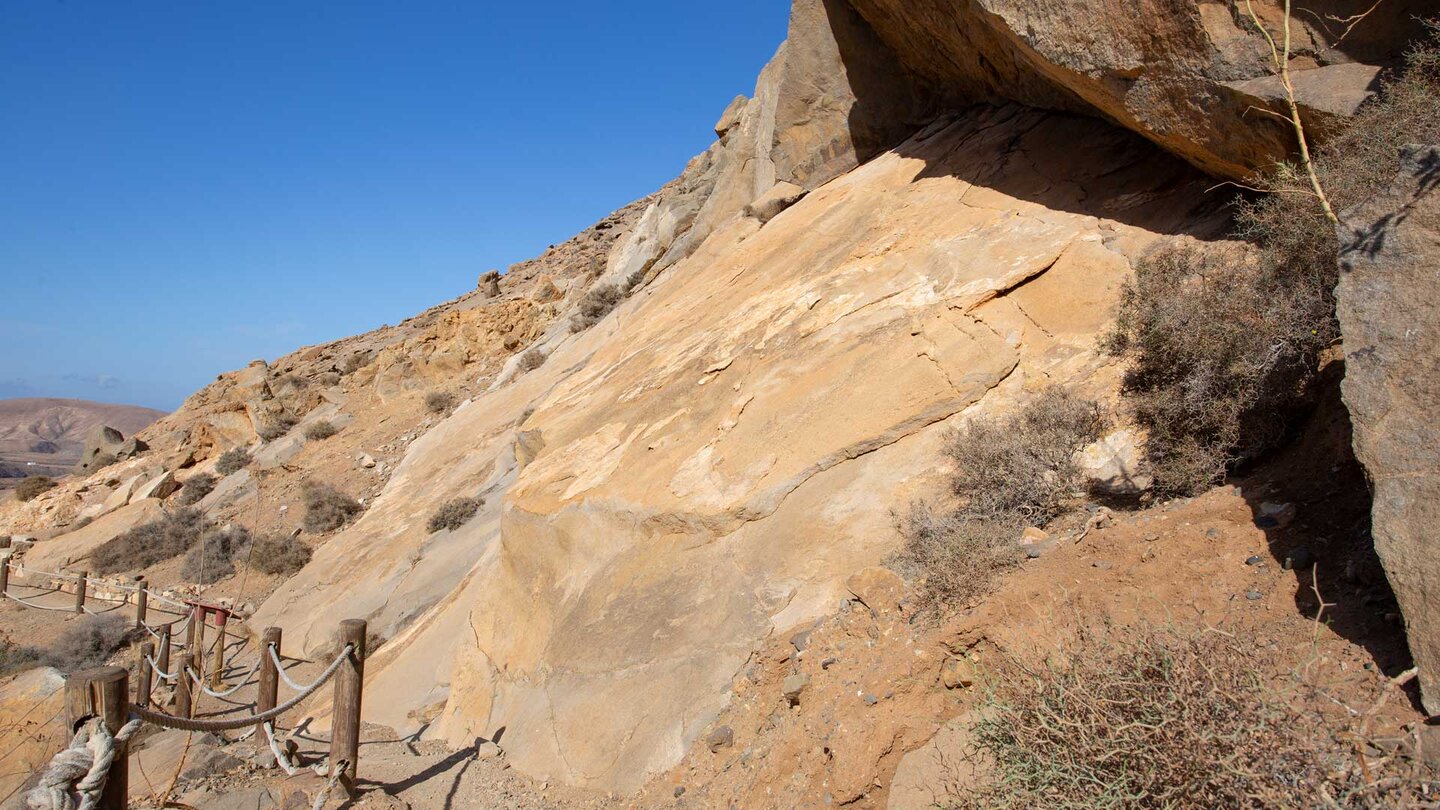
pixel 1388 300
pixel 32 724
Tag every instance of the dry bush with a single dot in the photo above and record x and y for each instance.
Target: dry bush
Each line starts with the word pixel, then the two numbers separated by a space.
pixel 291 380
pixel 87 642
pixel 327 508
pixel 213 558
pixel 1157 719
pixel 232 460
pixel 1223 349
pixel 279 554
pixel 151 543
pixel 454 513
pixel 17 658
pixel 195 488
pixel 1009 473
pixel 356 361
pixel 328 378
pixel 532 359
pixel 1022 468
pixel 596 304
pixel 277 425
pixel 321 430
pixel 439 401
pixel 32 486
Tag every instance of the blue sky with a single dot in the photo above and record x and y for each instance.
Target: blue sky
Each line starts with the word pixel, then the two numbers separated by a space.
pixel 187 186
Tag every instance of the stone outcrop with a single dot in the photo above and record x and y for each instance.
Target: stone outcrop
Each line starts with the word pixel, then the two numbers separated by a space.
pixel 32 725
pixel 1389 305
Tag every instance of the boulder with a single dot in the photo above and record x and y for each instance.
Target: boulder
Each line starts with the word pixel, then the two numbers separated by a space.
pixel 1388 300
pixel 102 445
pixel 161 486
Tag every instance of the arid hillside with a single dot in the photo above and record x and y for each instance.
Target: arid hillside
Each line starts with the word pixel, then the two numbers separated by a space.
pixel 46 436
pixel 951 383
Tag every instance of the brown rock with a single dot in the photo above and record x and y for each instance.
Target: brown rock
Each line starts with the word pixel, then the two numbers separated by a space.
pixel 1388 301
pixel 957 673
pixel 722 737
pixel 880 589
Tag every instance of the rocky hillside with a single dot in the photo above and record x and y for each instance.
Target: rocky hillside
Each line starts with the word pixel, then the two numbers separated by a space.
pixel 689 429
pixel 47 436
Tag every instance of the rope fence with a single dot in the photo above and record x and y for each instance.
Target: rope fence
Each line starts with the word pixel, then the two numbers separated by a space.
pixel 91 773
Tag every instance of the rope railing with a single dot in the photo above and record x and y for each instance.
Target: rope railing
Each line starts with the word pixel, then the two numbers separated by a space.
pixel 244 682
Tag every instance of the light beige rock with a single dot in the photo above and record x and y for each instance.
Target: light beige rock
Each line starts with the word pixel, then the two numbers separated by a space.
pixel 32 724
pixel 879 589
pixel 160 487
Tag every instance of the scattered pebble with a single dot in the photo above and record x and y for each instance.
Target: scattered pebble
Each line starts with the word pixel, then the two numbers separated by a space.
pixel 1254 559
pixel 1103 565
pixel 1254 595
pixel 870 700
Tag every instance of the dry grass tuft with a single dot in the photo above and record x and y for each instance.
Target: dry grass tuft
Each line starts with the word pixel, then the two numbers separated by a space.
pixel 195 488
pixel 327 508
pixel 532 359
pixel 151 543
pixel 232 460
pixel 321 430
pixel 439 401
pixel 597 303
pixel 454 513
pixel 32 486
pixel 279 554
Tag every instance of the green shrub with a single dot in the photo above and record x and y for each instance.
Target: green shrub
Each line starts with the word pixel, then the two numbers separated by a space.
pixel 454 513
pixel 213 558
pixel 232 460
pixel 321 430
pixel 32 486
pixel 151 543
pixel 279 554
pixel 195 488
pixel 327 509
pixel 439 401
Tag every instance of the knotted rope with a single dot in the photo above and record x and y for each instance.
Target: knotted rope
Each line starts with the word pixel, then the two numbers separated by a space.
pixel 76 776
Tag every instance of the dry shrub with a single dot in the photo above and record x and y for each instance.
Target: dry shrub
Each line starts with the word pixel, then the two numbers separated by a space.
pixel 32 486
pixel 532 359
pixel 1009 473
pixel 1223 349
pixel 327 508
pixel 232 460
pixel 279 554
pixel 213 558
pixel 17 658
pixel 321 430
pixel 328 378
pixel 439 401
pixel 454 513
pixel 291 380
pixel 277 425
pixel 596 304
pixel 356 361
pixel 1157 719
pixel 151 543
pixel 195 488
pixel 87 642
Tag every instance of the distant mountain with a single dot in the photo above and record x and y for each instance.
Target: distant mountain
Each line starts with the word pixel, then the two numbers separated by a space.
pixel 44 436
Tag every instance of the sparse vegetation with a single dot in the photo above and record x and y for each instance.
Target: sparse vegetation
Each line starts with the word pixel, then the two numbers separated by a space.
pixel 327 509
pixel 1224 347
pixel 291 380
pixel 439 401
pixel 232 460
pixel 279 554
pixel 195 488
pixel 328 378
pixel 1009 474
pixel 16 658
pixel 277 425
pixel 356 361
pixel 320 430
pixel 32 486
pixel 596 304
pixel 213 558
pixel 87 642
pixel 454 513
pixel 151 543
pixel 1149 718
pixel 532 359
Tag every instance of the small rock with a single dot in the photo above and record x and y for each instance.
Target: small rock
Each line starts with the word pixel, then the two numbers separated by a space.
pixel 870 700
pixel 1254 559
pixel 1035 551
pixel 488 750
pixel 1150 538
pixel 1103 565
pixel 801 640
pixel 1254 595
pixel 1282 513
pixel 793 687
pixel 827 663
pixel 1213 534
pixel 1033 535
pixel 1300 559
pixel 879 588
pixel 722 737
pixel 366 460
pixel 957 673
pixel 679 791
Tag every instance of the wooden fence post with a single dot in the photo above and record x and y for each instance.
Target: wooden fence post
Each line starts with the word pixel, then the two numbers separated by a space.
pixel 4 574
pixel 184 687
pixel 349 685
pixel 163 661
pixel 217 664
pixel 80 592
pixel 103 693
pixel 142 602
pixel 143 675
pixel 269 686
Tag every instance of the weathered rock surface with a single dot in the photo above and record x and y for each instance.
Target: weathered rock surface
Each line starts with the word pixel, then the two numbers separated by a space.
pixel 32 725
pixel 1389 305
pixel 709 475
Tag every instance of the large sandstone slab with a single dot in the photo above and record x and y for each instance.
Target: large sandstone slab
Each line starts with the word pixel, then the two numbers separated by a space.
pixel 1388 300
pixel 32 726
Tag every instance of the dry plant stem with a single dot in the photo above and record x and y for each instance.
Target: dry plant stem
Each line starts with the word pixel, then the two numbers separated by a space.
pixel 1280 55
pixel 1395 684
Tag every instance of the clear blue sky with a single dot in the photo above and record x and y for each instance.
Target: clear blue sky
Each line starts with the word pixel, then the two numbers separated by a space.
pixel 186 186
